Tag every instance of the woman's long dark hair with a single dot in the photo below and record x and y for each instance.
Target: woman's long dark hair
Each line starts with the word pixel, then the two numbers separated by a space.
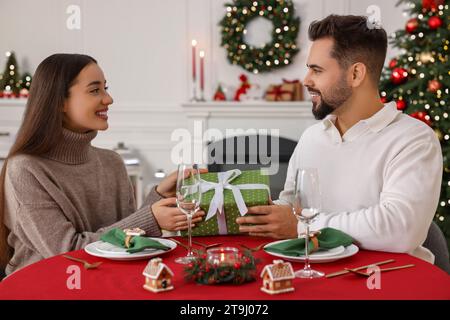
pixel 41 127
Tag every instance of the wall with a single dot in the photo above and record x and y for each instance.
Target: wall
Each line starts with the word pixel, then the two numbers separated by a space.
pixel 144 48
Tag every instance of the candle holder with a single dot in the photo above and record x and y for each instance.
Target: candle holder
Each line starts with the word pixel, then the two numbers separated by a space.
pixel 223 256
pixel 222 265
pixel 202 96
pixel 194 97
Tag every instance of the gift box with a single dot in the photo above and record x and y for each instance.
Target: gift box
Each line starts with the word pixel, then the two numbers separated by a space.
pixel 295 86
pixel 226 196
pixel 280 93
pixel 289 90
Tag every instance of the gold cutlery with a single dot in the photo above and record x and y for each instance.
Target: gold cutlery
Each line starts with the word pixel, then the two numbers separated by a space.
pixel 335 274
pixel 86 264
pixel 206 246
pixel 179 243
pixel 365 274
pixel 257 248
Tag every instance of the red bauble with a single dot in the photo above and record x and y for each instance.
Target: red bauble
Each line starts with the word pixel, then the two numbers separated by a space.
pixel 383 99
pixel 421 116
pixel 434 85
pixel 434 22
pixel 393 63
pixel 401 104
pixel 412 25
pixel 399 75
pixel 431 4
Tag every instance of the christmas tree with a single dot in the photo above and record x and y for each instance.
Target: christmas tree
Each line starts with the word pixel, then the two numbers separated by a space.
pixel 11 78
pixel 418 80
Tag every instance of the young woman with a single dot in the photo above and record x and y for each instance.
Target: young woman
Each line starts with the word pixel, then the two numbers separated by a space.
pixel 57 192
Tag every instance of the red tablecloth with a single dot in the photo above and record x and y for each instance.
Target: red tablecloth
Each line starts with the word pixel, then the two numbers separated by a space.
pixel 123 279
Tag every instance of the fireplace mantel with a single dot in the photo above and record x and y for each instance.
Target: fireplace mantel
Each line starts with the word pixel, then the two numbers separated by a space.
pixel 290 118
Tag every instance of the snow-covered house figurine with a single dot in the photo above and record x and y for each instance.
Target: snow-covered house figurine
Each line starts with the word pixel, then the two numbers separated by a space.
pixel 158 276
pixel 277 277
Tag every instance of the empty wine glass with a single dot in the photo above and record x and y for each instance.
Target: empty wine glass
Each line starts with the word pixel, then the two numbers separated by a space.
pixel 306 206
pixel 188 197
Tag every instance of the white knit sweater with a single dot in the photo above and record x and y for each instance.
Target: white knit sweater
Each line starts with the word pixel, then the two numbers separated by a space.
pixel 380 181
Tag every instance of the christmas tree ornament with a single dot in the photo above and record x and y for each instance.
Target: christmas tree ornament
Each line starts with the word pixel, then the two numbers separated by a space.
pixel 426 57
pixel 422 116
pixel 401 105
pixel 431 5
pixel 434 22
pixel 411 25
pixel 399 76
pixel 434 85
pixel 393 63
pixel 219 95
pixel 439 134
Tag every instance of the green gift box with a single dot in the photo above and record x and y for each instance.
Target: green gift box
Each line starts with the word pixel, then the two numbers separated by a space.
pixel 241 189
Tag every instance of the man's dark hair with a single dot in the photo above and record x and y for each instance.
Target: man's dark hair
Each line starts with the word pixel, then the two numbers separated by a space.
pixel 354 41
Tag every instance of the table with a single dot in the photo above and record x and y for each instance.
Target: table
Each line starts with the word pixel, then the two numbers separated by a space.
pixel 124 280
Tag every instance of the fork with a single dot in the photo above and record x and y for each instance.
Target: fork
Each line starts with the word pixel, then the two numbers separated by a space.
pixel 179 243
pixel 257 248
pixel 86 264
pixel 206 246
pixel 365 274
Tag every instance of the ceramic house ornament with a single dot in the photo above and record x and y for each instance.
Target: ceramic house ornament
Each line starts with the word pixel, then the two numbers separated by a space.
pixel 277 277
pixel 158 276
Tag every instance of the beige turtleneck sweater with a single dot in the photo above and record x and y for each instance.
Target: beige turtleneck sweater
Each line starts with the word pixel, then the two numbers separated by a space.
pixel 67 198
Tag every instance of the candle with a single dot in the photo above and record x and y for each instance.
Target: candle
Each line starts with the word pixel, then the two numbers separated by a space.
pixel 194 44
pixel 202 70
pixel 222 256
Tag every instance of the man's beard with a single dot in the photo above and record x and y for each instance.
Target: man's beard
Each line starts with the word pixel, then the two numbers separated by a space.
pixel 338 96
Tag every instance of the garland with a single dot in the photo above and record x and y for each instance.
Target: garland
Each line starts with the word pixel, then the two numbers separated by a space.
pixel 276 54
pixel 200 271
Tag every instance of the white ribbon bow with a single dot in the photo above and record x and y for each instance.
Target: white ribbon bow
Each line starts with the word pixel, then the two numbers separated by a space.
pixel 225 178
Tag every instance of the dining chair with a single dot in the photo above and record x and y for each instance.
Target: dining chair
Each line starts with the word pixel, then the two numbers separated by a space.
pixel 437 244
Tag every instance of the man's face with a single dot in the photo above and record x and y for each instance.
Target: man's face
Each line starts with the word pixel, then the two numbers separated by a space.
pixel 326 81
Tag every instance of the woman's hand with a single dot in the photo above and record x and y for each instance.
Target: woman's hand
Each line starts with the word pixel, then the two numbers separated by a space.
pixel 167 187
pixel 170 218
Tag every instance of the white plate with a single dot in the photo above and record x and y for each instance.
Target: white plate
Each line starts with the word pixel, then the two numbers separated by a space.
pixel 99 249
pixel 108 248
pixel 315 258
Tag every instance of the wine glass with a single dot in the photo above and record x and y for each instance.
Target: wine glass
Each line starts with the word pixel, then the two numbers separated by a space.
pixel 188 197
pixel 306 207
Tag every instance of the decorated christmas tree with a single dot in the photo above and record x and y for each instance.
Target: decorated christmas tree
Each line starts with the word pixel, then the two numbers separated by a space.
pixel 418 80
pixel 11 78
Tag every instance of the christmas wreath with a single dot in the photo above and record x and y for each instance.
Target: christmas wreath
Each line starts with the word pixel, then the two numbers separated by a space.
pixel 203 272
pixel 276 54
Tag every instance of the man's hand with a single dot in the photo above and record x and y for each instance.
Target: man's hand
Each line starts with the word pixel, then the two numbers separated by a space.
pixel 167 187
pixel 274 221
pixel 170 218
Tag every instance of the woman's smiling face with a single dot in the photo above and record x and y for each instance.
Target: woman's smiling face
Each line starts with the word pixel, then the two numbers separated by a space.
pixel 87 105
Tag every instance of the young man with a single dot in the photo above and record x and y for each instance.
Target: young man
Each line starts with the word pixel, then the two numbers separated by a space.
pixel 380 170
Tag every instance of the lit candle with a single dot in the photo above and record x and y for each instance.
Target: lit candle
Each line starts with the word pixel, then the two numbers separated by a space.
pixel 194 44
pixel 202 70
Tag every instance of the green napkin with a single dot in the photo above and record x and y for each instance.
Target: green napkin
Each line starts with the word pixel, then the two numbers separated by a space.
pixel 329 238
pixel 137 243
